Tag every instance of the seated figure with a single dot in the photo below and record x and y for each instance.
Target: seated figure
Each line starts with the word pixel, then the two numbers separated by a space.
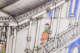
pixel 45 34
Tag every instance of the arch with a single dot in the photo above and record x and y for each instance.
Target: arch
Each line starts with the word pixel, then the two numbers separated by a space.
pixel 75 43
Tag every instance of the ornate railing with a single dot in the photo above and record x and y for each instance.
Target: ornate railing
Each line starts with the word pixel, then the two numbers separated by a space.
pixel 62 39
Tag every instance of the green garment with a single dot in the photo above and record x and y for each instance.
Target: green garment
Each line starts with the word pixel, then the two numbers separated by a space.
pixel 3 51
pixel 47 30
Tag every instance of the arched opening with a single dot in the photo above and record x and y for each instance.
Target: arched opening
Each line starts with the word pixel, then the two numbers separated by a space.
pixel 75 49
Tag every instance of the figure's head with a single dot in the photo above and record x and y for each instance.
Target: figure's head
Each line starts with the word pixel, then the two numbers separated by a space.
pixel 47 26
pixel 3 43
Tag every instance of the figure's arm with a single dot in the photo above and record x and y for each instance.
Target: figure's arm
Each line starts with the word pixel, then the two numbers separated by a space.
pixel 50 32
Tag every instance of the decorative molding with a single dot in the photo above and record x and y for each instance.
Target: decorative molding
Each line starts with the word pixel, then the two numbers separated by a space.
pixel 37 10
pixel 29 15
pixel 5 19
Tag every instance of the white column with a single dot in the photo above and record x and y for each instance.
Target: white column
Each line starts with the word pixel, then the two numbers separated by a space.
pixel 8 40
pixel 29 35
pixel 10 44
pixel 14 41
pixel 37 35
pixel 36 38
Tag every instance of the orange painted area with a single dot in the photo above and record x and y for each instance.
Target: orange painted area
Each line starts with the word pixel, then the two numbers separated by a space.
pixel 4 47
pixel 44 37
